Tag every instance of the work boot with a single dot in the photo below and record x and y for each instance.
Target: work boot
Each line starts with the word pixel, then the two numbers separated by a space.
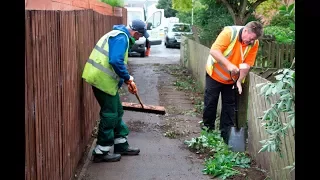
pixel 128 151
pixel 148 52
pixel 108 157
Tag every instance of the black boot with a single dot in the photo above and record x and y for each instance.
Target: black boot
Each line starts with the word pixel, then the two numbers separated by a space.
pixel 107 157
pixel 128 151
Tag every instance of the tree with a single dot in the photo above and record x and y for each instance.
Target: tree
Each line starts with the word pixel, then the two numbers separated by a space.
pixel 240 10
pixel 167 6
pixel 267 10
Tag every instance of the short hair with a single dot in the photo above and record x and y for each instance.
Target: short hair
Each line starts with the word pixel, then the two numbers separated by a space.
pixel 255 27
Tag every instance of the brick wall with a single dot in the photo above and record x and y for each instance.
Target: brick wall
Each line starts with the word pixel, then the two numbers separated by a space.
pixel 73 5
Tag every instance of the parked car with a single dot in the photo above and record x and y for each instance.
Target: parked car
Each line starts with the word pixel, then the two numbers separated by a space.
pixel 174 32
pixel 154 28
pixel 139 47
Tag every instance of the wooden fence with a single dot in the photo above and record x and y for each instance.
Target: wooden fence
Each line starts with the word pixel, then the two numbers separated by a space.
pixel 60 109
pixel 193 56
pixel 269 161
pixel 274 55
pixel 270 54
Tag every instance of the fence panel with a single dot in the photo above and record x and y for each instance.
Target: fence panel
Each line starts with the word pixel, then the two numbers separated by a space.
pixel 60 108
pixel 267 160
pixel 43 120
pixel 274 55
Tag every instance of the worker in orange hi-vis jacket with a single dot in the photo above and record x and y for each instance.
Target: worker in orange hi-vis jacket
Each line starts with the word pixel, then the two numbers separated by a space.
pixel 233 53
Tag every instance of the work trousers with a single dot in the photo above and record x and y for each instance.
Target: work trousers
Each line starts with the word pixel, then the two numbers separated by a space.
pixel 112 130
pixel 211 98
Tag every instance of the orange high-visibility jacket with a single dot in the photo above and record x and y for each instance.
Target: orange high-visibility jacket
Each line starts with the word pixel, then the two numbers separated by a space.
pixel 228 43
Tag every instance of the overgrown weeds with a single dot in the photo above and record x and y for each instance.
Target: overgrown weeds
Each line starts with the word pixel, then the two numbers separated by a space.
pixel 220 160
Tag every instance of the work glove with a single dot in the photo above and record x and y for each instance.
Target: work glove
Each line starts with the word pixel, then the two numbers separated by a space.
pixel 129 81
pixel 132 88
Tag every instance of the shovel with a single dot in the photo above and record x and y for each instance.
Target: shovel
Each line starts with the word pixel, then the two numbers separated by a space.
pixel 236 134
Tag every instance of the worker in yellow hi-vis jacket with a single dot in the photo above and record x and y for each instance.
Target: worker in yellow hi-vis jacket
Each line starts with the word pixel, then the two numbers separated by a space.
pixel 105 70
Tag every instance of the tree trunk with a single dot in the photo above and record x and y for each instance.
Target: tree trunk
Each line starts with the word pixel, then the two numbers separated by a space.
pixel 238 21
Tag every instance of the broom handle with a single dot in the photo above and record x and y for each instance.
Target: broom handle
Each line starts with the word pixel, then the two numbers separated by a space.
pixel 139 100
pixel 138 97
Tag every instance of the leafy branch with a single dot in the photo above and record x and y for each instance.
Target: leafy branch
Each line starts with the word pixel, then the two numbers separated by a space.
pixel 284 90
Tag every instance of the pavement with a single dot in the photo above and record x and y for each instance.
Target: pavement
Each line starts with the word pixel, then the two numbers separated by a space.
pixel 161 158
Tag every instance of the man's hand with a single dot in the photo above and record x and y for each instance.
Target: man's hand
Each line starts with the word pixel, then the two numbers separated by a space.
pixel 132 88
pixel 129 81
pixel 232 68
pixel 239 87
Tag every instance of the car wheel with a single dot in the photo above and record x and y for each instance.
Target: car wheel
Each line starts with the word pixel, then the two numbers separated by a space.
pixel 167 46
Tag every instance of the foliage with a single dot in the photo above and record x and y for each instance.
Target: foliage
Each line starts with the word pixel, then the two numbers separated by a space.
pixel 267 10
pixel 212 19
pixel 182 5
pixel 282 34
pixel 239 11
pixel 279 20
pixel 167 6
pixel 209 16
pixel 285 17
pixel 114 3
pixel 284 88
pixel 288 11
pixel 222 160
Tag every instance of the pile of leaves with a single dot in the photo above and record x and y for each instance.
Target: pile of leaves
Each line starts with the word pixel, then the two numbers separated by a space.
pixel 221 160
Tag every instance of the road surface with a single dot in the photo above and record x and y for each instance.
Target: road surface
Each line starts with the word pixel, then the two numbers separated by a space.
pixel 161 158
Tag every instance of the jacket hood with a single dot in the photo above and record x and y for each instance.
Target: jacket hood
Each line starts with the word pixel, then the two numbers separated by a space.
pixel 122 28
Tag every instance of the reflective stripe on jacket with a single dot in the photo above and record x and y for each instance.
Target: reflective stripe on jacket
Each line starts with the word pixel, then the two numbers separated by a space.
pixel 97 70
pixel 217 69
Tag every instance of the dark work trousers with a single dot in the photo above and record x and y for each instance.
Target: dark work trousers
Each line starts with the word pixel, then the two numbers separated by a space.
pixel 112 130
pixel 211 98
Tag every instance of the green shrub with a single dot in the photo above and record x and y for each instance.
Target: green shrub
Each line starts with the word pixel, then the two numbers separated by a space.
pixel 280 20
pixel 114 3
pixel 282 34
pixel 221 161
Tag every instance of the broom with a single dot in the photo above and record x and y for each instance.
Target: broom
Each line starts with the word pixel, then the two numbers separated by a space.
pixel 143 108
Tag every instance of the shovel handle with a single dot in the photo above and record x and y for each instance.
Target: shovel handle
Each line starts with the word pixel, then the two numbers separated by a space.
pixel 235 80
pixel 236 97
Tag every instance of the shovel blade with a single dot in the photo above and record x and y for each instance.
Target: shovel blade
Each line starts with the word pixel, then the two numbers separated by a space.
pixel 237 139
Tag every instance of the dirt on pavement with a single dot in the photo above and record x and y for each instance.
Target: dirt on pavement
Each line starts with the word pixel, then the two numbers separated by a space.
pixel 164 155
pixel 185 127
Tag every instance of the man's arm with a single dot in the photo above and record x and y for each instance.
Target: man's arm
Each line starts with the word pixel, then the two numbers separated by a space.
pixel 248 62
pixel 219 46
pixel 117 49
